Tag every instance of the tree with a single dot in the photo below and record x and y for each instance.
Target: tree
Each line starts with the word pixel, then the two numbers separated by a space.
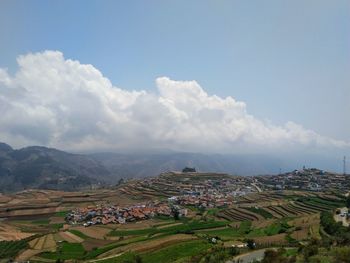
pixel 121 181
pixel 342 254
pixel 233 251
pixel 251 243
pixel 347 201
pixel 138 259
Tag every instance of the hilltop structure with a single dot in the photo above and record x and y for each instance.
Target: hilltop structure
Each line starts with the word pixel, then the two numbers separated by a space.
pixel 189 170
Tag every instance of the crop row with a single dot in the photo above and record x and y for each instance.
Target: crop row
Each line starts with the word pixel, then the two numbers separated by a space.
pixel 236 214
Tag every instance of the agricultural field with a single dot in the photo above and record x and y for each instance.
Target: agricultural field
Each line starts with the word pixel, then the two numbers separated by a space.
pixel 270 218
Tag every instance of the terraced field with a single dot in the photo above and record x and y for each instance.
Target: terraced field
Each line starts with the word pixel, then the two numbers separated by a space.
pixel 279 205
pixel 273 217
pixel 238 214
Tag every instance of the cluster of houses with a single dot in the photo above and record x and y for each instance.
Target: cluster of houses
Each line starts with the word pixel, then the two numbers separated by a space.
pixel 310 179
pixel 110 214
pixel 203 200
pixel 215 190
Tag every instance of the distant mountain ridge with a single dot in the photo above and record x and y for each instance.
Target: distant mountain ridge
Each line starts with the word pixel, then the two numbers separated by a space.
pixel 48 168
pixel 41 167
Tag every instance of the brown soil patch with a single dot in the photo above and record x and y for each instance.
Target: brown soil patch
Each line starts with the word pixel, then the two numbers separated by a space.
pixel 150 245
pixel 263 223
pixel 300 234
pixel 306 221
pixel 169 225
pixel 93 231
pixel 140 224
pixel 90 244
pixel 70 237
pixel 9 232
pixel 27 254
pixel 275 239
pixel 56 220
pixel 235 224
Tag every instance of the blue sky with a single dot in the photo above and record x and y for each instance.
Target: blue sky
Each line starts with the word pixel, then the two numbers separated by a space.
pixel 287 60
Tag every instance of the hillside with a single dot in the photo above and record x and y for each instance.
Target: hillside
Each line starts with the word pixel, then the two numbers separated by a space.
pixel 48 168
pixel 41 167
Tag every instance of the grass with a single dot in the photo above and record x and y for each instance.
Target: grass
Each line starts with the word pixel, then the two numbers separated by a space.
pixel 66 251
pixel 176 252
pixel 291 252
pixel 79 234
pixel 125 257
pixel 9 249
pixel 213 211
pixel 94 253
pixel 186 227
pixel 56 226
pixel 230 232
pixel 273 229
pixel 61 213
pixel 319 201
pixel 223 233
pixel 260 211
pixel 41 222
pixel 245 227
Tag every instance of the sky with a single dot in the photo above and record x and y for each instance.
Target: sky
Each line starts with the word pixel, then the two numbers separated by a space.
pixel 217 76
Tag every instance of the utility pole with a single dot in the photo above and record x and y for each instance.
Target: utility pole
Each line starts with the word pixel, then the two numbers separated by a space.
pixel 344 165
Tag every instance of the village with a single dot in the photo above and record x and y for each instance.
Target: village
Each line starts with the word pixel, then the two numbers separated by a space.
pixel 110 214
pixel 202 195
pixel 184 191
pixel 310 179
pixel 174 206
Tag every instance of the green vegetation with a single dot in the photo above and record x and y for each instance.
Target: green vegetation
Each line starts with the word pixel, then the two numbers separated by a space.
pixel 213 211
pixel 215 254
pixel 278 256
pixel 78 233
pixel 56 226
pixel 41 222
pixel 260 211
pixel 317 201
pixel 61 213
pixel 9 249
pixel 98 251
pixel 229 232
pixel 347 201
pixel 244 227
pixel 128 257
pixel 291 252
pixel 186 227
pixel 175 252
pixel 273 229
pixel 277 228
pixel 66 251
pixel 337 232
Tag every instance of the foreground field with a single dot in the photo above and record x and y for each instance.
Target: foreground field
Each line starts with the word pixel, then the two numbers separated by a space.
pixel 269 218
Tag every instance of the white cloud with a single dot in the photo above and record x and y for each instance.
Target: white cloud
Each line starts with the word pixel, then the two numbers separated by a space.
pixel 61 103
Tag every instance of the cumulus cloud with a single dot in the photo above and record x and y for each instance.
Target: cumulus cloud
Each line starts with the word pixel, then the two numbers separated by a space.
pixel 62 103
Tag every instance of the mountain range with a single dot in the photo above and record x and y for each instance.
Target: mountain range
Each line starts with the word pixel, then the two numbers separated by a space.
pixel 48 168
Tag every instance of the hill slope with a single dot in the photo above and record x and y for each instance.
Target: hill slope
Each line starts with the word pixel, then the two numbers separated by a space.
pixel 41 167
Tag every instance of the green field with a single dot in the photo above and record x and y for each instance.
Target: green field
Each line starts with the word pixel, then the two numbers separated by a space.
pixel 260 211
pixel 66 251
pixel 165 255
pixel 229 232
pixel 10 249
pixel 186 227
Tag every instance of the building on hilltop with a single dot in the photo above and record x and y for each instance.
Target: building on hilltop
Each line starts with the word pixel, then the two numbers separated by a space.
pixel 189 170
